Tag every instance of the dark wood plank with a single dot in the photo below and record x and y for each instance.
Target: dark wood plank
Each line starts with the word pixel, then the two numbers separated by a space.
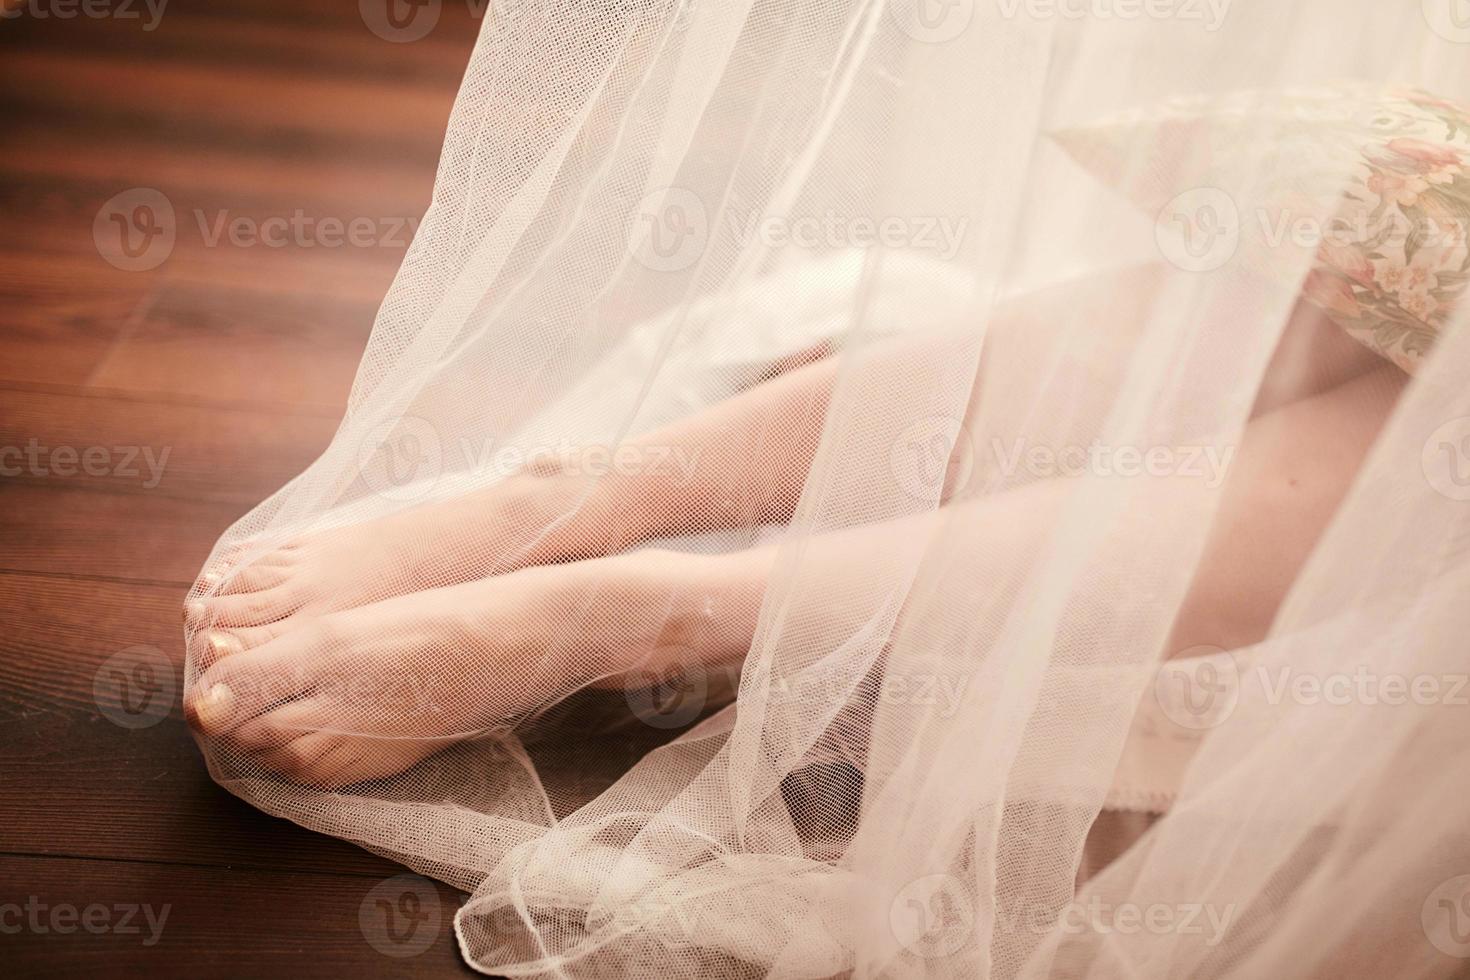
pixel 171 448
pixel 236 360
pixel 82 534
pixel 320 260
pixel 206 342
pixel 226 104
pixel 54 166
pixel 328 38
pixel 152 920
pixel 82 776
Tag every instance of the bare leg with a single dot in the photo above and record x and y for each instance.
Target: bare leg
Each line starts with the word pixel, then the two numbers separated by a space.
pixel 525 639
pixel 1293 469
pixel 546 515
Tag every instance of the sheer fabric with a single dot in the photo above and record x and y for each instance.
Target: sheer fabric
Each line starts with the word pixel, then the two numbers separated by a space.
pixel 970 754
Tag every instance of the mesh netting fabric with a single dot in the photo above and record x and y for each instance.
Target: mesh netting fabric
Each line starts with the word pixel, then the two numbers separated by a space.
pixel 762 530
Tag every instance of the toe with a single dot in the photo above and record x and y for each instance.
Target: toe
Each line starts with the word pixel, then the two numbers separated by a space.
pixel 347 760
pixel 212 645
pixel 357 760
pixel 209 646
pixel 255 577
pixel 280 726
pixel 208 582
pixel 254 608
pixel 312 741
pixel 249 681
pixel 196 612
pixel 309 758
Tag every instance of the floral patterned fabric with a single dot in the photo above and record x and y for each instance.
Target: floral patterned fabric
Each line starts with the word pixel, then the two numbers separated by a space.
pixel 1393 262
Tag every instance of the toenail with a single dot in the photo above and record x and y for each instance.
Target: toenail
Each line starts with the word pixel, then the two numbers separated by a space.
pixel 193 611
pixel 214 709
pixel 212 579
pixel 223 644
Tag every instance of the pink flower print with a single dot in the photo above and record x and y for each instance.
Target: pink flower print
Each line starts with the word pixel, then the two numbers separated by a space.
pixel 1422 98
pixel 1417 277
pixel 1445 233
pixel 1331 293
pixel 1426 154
pixel 1349 260
pixel 1419 304
pixel 1388 274
pixel 1403 189
pixel 1414 283
pixel 1434 163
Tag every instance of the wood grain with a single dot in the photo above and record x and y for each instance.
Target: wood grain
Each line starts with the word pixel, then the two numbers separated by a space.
pixel 236 360
pixel 81 917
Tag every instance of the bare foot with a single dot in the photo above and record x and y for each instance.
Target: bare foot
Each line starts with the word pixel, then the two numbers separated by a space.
pixel 426 547
pixel 365 693
pixel 354 695
pixel 695 475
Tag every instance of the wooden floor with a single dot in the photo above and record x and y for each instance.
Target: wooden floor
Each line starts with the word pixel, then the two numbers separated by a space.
pixel 232 358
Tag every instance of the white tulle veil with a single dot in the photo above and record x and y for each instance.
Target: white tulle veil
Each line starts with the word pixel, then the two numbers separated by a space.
pixel 643 207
